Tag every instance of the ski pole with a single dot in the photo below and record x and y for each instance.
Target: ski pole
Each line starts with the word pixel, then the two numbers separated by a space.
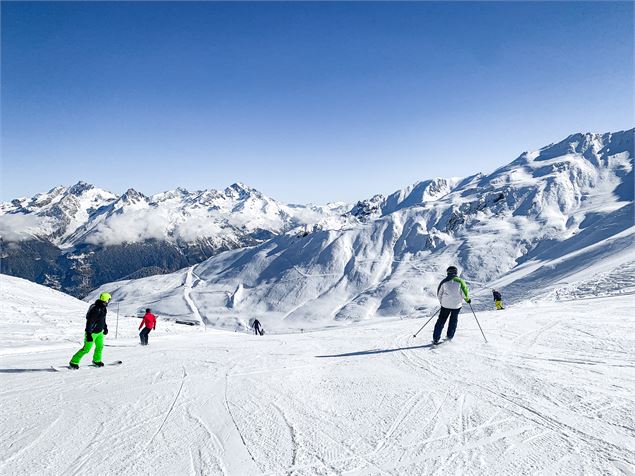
pixel 117 324
pixel 479 324
pixel 435 313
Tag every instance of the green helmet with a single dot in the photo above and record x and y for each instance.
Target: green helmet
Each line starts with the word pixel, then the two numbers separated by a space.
pixel 105 297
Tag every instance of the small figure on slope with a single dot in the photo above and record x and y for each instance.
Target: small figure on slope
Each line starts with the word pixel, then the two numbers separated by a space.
pixel 498 300
pixel 95 331
pixel 150 323
pixel 451 292
pixel 258 330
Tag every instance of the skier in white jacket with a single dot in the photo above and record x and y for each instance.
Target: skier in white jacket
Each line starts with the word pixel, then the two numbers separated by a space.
pixel 451 293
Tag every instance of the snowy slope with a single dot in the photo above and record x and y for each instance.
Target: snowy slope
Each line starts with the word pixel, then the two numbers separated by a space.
pixel 35 318
pixel 549 394
pixel 33 314
pixel 550 218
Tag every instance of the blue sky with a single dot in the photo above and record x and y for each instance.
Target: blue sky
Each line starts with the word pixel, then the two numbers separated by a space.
pixel 307 102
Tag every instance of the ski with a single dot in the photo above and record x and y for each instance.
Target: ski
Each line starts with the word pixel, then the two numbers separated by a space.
pixel 115 362
pixel 434 346
pixel 66 367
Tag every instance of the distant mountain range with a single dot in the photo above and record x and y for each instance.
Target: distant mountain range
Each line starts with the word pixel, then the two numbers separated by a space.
pixel 76 238
pixel 554 223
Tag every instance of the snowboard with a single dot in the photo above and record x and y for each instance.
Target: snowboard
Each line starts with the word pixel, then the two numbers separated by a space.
pixel 66 367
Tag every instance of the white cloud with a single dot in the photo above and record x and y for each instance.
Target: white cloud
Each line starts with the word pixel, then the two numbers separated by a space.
pixel 131 227
pixel 153 223
pixel 23 227
pixel 198 227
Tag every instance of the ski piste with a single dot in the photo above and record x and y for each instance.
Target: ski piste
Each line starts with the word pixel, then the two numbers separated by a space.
pixel 66 367
pixel 530 365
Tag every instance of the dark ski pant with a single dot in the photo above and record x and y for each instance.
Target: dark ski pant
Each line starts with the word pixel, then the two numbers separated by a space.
pixel 443 316
pixel 143 335
pixel 257 331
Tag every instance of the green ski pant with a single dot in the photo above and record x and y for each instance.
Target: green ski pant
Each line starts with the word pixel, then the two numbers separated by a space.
pixel 98 340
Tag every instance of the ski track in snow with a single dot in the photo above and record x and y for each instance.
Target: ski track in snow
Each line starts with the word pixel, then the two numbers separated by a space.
pixel 167 414
pixel 549 393
pixel 187 295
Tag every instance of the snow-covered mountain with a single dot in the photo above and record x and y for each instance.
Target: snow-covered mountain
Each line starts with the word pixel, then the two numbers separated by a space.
pixel 83 213
pixel 75 238
pixel 545 226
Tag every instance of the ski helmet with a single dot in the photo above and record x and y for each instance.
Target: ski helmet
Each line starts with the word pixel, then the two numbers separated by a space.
pixel 105 297
pixel 452 271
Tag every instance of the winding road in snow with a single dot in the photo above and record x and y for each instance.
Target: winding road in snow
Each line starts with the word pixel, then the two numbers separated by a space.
pixel 187 295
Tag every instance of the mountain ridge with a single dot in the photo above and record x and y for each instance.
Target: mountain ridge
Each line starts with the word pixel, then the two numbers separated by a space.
pixel 74 230
pixel 546 210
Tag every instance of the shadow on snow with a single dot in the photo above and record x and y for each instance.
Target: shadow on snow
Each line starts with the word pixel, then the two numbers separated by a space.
pixel 21 371
pixel 375 351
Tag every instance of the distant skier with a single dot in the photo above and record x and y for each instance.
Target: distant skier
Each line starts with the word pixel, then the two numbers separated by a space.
pixel 498 300
pixel 451 293
pixel 258 330
pixel 150 323
pixel 95 331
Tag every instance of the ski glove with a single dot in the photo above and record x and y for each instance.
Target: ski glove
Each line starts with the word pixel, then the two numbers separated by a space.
pixel 89 337
pixel 105 331
pixel 468 300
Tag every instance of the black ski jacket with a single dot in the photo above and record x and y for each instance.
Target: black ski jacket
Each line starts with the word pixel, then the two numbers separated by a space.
pixel 96 317
pixel 497 296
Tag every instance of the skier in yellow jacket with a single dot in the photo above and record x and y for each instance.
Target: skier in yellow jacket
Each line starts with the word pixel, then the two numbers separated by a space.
pixel 498 300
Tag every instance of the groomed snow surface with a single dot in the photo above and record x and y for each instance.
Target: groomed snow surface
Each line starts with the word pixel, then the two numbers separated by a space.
pixel 338 385
pixel 552 392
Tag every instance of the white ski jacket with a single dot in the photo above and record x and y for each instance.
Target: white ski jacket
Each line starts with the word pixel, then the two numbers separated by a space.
pixel 451 292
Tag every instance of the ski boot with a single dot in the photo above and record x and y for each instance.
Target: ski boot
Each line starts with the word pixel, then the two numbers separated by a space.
pixel 73 366
pixel 98 364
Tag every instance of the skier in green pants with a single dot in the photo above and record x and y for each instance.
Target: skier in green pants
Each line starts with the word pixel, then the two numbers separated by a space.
pixel 96 329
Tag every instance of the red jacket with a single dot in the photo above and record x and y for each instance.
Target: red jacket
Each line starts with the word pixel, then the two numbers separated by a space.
pixel 149 321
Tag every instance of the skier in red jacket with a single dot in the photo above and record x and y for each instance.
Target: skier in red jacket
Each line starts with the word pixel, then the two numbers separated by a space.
pixel 150 322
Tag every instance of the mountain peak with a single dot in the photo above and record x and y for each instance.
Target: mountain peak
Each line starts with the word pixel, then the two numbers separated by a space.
pixel 241 186
pixel 580 143
pixel 365 210
pixel 240 191
pixel 79 188
pixel 132 195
